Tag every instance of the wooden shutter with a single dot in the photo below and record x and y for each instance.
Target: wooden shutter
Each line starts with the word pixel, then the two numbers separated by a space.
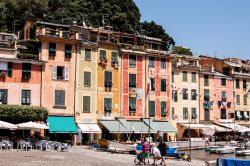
pixel 86 103
pixel 87 54
pixel 87 78
pixel 23 97
pixel 151 108
pixel 62 97
pixel 108 104
pixel 163 108
pixel 57 97
pixel 27 97
pixel 54 72
pixel 184 76
pixel 163 85
pixel 5 96
pixel 10 66
pixel 152 84
pixel 66 73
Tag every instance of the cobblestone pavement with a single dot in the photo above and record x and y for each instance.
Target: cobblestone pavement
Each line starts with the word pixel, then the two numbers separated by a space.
pixel 75 157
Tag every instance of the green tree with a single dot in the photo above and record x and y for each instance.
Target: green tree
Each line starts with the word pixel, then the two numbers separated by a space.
pixel 3 11
pixel 154 30
pixel 182 50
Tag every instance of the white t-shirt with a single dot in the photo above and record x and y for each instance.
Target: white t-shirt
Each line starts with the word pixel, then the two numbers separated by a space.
pixel 156 152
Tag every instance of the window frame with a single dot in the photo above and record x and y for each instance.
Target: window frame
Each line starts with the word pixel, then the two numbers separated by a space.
pixel 206 80
pixel 26 97
pixel 58 103
pixel 163 85
pixel 184 76
pixel 185 113
pixel 151 113
pixel 163 110
pixel 151 62
pixel 194 77
pixel 132 61
pixel 87 57
pixel 87 83
pixel 223 82
pixel 86 106
pixel 163 63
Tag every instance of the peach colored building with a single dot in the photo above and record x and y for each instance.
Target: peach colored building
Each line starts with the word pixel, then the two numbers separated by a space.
pixel 20 79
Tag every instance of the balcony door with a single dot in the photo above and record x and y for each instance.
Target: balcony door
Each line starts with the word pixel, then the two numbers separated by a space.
pixel 207 115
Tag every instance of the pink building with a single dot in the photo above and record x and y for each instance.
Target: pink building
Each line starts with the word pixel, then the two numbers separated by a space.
pixel 20 79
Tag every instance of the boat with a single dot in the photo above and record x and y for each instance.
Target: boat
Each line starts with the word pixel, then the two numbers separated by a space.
pixel 120 147
pixel 208 148
pixel 243 153
pixel 226 150
pixel 232 161
pixel 103 143
pixel 172 152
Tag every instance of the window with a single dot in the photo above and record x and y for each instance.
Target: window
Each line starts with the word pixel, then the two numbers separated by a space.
pixel 245 99
pixel 175 95
pixel 194 115
pixel 223 82
pixel 163 109
pixel 87 79
pixel 52 49
pixel 224 96
pixel 114 58
pixel 103 55
pixel 184 76
pixel 206 80
pixel 25 97
pixel 3 96
pixel 154 46
pixel 223 114
pixel 206 94
pixel 132 61
pixel 108 79
pixel 163 85
pixel 151 108
pixel 60 73
pixel 10 66
pixel 237 83
pixel 238 99
pixel 193 77
pixel 152 82
pixel 132 106
pixel 59 98
pixel 172 77
pixel 163 63
pixel 185 94
pixel 86 104
pixel 185 113
pixel 132 80
pixel 193 94
pixel 107 105
pixel 173 112
pixel 68 51
pixel 244 84
pixel 87 54
pixel 151 61
pixel 26 71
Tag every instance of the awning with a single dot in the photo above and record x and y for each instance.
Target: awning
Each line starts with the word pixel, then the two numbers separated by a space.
pixel 114 126
pixel 160 126
pixel 232 64
pixel 89 128
pixel 234 127
pixel 134 126
pixel 62 124
pixel 219 128
pixel 194 125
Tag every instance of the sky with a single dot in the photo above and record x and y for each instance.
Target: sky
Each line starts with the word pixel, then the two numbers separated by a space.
pixel 218 28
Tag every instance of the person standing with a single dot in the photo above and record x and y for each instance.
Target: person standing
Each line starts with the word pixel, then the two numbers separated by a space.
pixel 145 150
pixel 163 149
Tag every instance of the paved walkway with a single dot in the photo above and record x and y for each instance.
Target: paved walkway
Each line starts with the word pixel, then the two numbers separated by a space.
pixel 76 156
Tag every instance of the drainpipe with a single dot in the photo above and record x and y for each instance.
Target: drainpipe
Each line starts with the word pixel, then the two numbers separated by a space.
pixel 74 106
pixel 121 85
pixel 41 83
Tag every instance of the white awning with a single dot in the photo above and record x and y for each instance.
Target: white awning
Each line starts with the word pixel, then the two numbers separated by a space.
pixel 234 127
pixel 219 128
pixel 194 125
pixel 232 64
pixel 89 128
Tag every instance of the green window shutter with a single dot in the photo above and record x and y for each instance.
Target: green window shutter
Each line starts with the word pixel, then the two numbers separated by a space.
pixel 173 112
pixel 102 55
pixel 185 113
pixel 206 94
pixel 206 80
pixel 237 83
pixel 132 104
pixel 152 82
pixel 132 80
pixel 223 82
pixel 68 50
pixel 10 66
pixel 163 108
pixel 52 49
pixel 59 97
pixel 163 85
pixel 193 77
pixel 26 70
pixel 87 54
pixel 163 63
pixel 193 94
pixel 26 97
pixel 238 99
pixel 87 79
pixel 151 108
pixel 86 103
pixel 184 76
pixel 5 96
pixel 245 99
pixel 114 58
pixel 244 84
pixel 107 105
pixel 151 61
pixel 132 61
pixel 193 113
pixel 172 77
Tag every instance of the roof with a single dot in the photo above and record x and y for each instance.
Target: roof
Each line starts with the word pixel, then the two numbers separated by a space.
pixel 62 124
pixel 232 64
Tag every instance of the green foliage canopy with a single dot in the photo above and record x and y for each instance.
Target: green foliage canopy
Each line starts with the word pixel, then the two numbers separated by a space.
pixel 19 113
pixel 182 50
